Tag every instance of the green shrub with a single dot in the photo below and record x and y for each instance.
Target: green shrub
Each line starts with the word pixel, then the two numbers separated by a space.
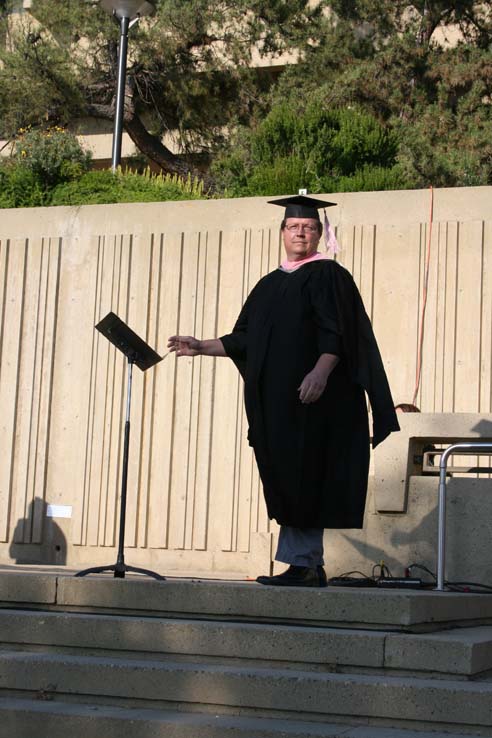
pixel 338 140
pixel 321 149
pixel 19 187
pixel 53 155
pixel 42 159
pixel 283 175
pixel 98 187
pixel 369 178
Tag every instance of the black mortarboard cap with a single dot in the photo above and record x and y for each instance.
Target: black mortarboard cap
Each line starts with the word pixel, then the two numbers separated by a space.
pixel 301 206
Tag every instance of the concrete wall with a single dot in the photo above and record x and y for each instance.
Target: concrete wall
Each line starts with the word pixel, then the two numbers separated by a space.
pixel 195 501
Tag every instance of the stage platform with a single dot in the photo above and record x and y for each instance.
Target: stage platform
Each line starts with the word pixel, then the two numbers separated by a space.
pixel 191 658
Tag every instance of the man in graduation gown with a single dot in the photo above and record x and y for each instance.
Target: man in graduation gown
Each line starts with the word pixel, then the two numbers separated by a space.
pixel 306 350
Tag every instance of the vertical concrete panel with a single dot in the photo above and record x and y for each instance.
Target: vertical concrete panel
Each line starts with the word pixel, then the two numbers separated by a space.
pixel 103 463
pixel 102 395
pixel 485 381
pixel 206 326
pixel 107 430
pixel 468 317
pixel 228 398
pixel 485 400
pixel 97 395
pixel 247 490
pixel 69 431
pixel 348 240
pixel 4 250
pixel 171 255
pixel 28 389
pixel 240 492
pixel 37 330
pixel 35 506
pixel 81 511
pixel 14 255
pixel 450 318
pixel 116 388
pixel 196 395
pixel 367 265
pixel 186 393
pixel 429 319
pixel 264 252
pixel 396 301
pixel 440 302
pixel 149 383
pixel 47 318
pixel 6 434
pixel 138 313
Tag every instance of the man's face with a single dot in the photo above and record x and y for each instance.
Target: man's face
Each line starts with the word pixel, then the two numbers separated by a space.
pixel 301 238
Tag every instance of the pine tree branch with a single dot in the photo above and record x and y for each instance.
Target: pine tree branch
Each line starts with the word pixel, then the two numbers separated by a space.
pixel 152 147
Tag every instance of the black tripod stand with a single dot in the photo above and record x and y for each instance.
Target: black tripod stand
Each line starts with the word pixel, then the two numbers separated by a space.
pixel 140 353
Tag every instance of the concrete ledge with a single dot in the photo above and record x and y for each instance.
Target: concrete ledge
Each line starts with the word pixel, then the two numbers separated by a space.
pixel 334 605
pixel 370 608
pixel 27 588
pixel 423 702
pixel 25 719
pixel 466 651
pixel 156 636
pixel 393 459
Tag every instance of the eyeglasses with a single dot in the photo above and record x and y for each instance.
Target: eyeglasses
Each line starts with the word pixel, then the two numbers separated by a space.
pixel 299 227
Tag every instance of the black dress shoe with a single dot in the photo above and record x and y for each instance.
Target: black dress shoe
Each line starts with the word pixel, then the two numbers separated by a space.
pixel 296 576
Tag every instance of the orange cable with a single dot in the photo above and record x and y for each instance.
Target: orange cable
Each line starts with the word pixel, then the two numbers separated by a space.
pixel 424 303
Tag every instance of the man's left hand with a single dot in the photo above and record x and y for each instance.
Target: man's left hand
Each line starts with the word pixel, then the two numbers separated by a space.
pixel 313 385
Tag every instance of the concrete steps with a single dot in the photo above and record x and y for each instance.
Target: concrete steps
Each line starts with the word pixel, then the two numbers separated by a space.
pixel 189 659
pixel 23 718
pixel 302 695
pixel 464 653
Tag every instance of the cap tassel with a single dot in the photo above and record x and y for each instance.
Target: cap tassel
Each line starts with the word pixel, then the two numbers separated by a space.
pixel 331 243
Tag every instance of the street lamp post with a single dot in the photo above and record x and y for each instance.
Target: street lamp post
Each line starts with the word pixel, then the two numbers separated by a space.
pixel 126 13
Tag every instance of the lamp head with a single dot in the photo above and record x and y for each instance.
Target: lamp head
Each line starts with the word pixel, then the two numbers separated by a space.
pixel 128 8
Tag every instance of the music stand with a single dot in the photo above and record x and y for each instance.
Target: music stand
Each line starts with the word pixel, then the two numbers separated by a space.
pixel 140 353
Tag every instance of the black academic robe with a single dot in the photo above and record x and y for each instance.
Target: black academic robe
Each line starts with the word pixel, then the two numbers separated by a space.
pixel 313 458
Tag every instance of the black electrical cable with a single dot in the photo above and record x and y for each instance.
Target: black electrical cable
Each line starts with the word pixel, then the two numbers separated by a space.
pixel 469 587
pixel 466 587
pixel 421 567
pixel 348 580
pixel 384 573
pixel 383 570
pixel 361 573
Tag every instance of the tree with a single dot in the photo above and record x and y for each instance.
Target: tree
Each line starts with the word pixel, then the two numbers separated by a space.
pixel 382 19
pixel 188 71
pixel 382 57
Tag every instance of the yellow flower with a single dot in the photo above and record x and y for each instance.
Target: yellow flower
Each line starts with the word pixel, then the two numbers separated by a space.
pixel 23 152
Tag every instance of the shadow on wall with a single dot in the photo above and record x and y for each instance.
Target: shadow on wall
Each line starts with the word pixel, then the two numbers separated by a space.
pixel 51 548
pixel 409 538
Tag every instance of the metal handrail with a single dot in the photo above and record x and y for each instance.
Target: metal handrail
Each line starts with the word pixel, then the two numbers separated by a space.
pixel 478 449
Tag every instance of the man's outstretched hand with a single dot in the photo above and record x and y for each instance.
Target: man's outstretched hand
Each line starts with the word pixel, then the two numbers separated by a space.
pixel 184 345
pixel 190 346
